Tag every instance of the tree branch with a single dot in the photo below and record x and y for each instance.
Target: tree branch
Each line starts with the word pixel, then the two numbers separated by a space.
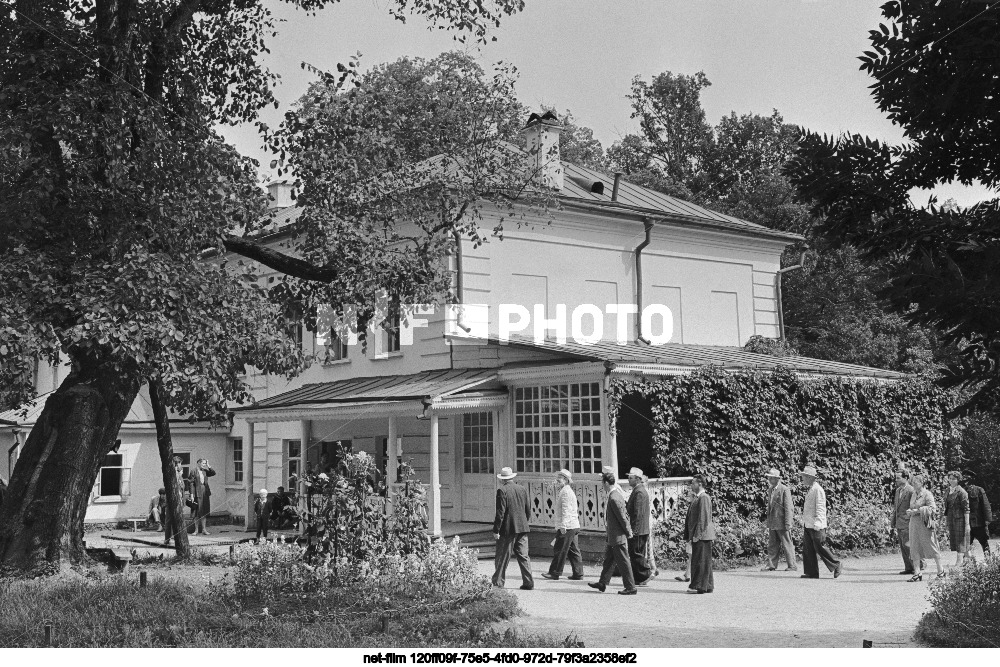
pixel 287 264
pixel 159 52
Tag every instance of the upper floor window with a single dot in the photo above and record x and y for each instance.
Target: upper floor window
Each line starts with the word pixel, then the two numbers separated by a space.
pixel 558 426
pixel 392 328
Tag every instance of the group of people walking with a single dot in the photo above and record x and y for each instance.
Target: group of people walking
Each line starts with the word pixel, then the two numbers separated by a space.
pixel 967 515
pixel 627 550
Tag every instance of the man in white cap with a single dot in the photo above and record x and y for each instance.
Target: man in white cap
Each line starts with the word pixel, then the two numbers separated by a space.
pixel 567 529
pixel 638 516
pixel 510 529
pixel 779 524
pixel 814 521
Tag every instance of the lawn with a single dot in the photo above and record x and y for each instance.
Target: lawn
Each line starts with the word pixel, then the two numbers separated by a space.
pixel 179 608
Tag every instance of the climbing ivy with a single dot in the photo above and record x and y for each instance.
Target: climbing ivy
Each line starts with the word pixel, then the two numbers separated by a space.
pixel 734 426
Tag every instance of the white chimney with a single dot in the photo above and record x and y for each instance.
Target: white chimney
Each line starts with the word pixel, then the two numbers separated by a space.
pixel 280 193
pixel 542 143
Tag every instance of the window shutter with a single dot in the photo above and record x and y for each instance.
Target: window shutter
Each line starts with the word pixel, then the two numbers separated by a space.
pixel 126 489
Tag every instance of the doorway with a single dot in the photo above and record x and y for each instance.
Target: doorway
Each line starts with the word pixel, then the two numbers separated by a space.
pixel 634 431
pixel 479 482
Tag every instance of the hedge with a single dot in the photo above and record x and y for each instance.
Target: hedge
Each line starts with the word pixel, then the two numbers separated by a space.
pixel 732 426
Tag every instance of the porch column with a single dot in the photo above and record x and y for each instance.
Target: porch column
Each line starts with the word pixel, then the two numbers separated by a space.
pixel 248 474
pixel 392 452
pixel 434 497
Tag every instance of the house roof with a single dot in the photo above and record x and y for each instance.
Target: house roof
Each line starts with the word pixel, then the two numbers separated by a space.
pixel 682 356
pixel 417 386
pixel 579 188
pixel 141 413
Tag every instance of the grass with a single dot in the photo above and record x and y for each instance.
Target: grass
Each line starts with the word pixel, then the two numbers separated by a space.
pixel 113 611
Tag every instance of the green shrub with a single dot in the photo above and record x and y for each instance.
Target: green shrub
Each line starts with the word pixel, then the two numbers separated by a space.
pixel 731 426
pixel 965 607
pixel 854 525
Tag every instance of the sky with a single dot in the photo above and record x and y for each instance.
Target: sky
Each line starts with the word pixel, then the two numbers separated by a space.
pixel 796 56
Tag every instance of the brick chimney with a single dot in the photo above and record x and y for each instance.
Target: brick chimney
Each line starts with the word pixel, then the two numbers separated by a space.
pixel 280 193
pixel 541 136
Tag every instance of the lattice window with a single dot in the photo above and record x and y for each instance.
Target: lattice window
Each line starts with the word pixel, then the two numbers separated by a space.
pixel 558 426
pixel 477 442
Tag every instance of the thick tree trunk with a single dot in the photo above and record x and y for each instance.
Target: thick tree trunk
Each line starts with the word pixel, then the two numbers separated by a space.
pixel 41 520
pixel 175 498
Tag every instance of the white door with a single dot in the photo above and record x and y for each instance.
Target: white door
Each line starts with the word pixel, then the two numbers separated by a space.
pixel 479 482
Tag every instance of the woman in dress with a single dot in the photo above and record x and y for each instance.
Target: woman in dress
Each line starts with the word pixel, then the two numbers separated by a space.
pixel 956 513
pixel 923 541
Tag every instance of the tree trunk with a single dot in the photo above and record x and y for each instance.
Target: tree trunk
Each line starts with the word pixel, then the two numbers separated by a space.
pixel 41 520
pixel 175 498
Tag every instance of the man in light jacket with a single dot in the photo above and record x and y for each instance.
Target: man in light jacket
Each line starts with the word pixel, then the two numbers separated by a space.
pixel 618 532
pixel 814 521
pixel 779 524
pixel 638 516
pixel 567 529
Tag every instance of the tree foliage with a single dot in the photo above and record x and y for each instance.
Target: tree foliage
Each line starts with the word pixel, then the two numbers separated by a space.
pixel 933 70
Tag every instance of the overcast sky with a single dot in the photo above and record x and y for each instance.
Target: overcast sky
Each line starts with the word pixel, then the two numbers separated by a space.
pixel 797 56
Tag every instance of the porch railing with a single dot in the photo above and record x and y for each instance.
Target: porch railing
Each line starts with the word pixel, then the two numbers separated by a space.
pixel 592 499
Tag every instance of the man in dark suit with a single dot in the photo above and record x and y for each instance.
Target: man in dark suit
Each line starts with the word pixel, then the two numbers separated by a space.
pixel 510 530
pixel 201 494
pixel 899 522
pixel 699 530
pixel 980 516
pixel 780 513
pixel 618 532
pixel 638 516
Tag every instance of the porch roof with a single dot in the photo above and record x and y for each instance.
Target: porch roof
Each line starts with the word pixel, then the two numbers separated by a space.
pixel 679 356
pixel 396 388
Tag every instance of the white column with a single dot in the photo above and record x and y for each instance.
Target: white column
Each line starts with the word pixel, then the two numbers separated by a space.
pixel 248 473
pixel 434 497
pixel 392 452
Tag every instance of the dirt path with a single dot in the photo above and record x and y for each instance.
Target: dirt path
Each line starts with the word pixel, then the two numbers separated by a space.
pixel 748 608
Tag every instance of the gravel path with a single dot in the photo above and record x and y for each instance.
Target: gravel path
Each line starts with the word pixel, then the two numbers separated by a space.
pixel 748 608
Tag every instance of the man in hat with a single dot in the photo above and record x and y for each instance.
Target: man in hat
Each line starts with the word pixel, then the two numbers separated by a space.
pixel 567 529
pixel 779 524
pixel 510 529
pixel 618 532
pixel 638 516
pixel 814 521
pixel 980 515
pixel 899 522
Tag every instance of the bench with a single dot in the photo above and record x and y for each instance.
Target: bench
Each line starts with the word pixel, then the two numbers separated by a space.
pixel 135 524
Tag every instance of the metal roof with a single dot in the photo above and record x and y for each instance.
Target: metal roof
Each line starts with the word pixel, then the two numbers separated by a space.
pixel 682 355
pixel 427 384
pixel 632 199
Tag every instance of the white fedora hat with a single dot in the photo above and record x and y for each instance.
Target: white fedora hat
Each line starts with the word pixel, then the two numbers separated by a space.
pixel 809 470
pixel 567 474
pixel 773 472
pixel 635 472
pixel 506 473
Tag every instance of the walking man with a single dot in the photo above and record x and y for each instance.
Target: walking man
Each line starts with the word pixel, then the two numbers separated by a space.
pixel 899 521
pixel 779 524
pixel 638 516
pixel 510 530
pixel 980 516
pixel 699 530
pixel 618 533
pixel 567 529
pixel 814 520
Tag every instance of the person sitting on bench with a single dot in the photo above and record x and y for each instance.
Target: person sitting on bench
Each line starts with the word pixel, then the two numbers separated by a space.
pixel 283 512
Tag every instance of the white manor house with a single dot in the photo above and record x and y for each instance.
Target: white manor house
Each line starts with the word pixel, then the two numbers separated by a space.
pixel 459 409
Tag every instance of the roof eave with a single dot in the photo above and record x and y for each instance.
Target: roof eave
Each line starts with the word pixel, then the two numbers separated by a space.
pixel 626 210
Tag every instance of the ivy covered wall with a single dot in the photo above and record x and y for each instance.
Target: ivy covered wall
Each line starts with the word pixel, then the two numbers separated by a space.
pixel 734 426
